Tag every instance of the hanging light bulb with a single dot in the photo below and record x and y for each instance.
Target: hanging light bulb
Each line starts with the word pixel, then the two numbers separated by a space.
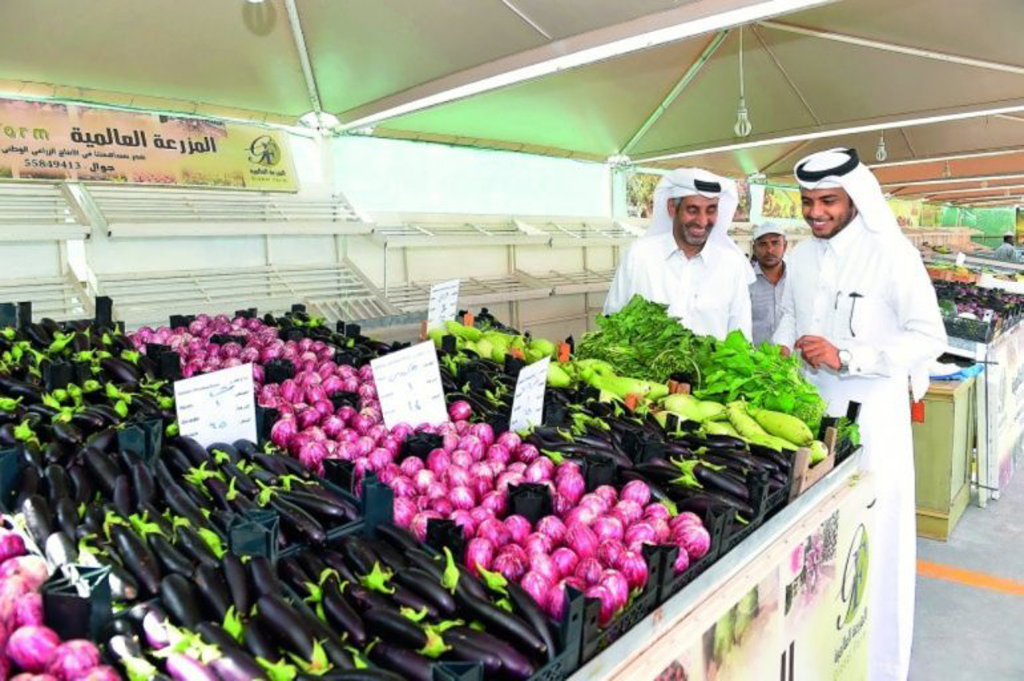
pixel 880 153
pixel 742 127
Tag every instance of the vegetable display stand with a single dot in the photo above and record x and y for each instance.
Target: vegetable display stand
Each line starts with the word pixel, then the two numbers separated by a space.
pixel 793 596
pixel 942 456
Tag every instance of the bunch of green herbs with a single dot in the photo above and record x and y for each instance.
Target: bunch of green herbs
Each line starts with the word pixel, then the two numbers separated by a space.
pixel 642 341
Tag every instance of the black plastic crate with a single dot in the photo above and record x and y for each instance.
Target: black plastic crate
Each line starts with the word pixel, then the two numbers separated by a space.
pixel 596 638
pixel 671 583
pixel 969 329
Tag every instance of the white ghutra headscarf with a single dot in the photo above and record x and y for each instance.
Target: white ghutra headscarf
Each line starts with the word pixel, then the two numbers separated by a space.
pixel 684 182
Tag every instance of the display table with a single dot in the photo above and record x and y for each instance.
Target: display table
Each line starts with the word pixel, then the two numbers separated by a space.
pixel 790 602
pixel 942 456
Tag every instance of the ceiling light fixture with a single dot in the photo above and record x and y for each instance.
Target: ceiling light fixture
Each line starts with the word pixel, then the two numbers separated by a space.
pixel 742 127
pixel 661 36
pixel 853 130
pixel 880 153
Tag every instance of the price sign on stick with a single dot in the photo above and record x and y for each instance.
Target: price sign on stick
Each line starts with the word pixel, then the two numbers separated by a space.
pixel 409 386
pixel 528 401
pixel 960 259
pixel 444 303
pixel 217 407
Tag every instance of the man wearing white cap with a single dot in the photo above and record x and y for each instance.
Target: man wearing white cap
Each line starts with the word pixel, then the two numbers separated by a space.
pixel 861 311
pixel 687 260
pixel 770 283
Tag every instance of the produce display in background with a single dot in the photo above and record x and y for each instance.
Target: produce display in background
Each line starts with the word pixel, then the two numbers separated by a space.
pixel 967 299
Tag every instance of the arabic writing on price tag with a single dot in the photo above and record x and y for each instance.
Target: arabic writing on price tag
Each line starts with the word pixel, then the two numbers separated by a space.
pixel 409 386
pixel 444 303
pixel 960 259
pixel 528 402
pixel 217 407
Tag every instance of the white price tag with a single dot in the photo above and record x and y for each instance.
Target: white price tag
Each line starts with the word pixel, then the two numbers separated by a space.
pixel 960 259
pixel 444 303
pixel 217 407
pixel 528 401
pixel 409 386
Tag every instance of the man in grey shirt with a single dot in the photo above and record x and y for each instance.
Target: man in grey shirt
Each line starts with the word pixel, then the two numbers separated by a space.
pixel 766 291
pixel 1006 251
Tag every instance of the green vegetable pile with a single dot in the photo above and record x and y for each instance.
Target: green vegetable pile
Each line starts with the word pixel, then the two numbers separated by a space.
pixel 735 369
pixel 643 341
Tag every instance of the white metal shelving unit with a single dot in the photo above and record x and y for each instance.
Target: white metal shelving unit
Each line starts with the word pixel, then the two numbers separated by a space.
pixel 164 211
pixel 414 230
pixel 59 298
pixel 39 212
pixel 334 291
pixel 414 296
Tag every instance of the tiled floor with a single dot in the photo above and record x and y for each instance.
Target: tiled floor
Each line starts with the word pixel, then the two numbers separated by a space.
pixel 965 632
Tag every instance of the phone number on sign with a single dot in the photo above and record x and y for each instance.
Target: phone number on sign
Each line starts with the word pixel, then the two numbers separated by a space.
pixel 37 163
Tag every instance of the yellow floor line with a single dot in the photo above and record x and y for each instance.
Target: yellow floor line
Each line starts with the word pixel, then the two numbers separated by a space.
pixel 978 580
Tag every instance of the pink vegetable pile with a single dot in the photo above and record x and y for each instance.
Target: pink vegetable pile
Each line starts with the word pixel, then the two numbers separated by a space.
pixel 33 651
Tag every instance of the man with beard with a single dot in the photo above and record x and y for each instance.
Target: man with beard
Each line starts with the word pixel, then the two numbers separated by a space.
pixel 687 260
pixel 862 313
pixel 767 289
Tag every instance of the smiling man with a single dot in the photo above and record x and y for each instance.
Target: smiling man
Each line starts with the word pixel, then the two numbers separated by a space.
pixel 687 259
pixel 862 313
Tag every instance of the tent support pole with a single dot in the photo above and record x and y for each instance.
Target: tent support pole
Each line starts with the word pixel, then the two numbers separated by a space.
pixel 896 48
pixel 684 82
pixel 300 47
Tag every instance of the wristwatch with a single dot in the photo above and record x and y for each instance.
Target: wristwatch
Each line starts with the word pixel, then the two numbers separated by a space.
pixel 844 360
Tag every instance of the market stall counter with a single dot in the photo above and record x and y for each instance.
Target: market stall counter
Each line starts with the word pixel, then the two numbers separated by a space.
pixel 789 602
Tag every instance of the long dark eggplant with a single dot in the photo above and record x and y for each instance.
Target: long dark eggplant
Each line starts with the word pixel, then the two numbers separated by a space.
pixel 120 372
pixel 12 387
pixel 514 664
pixel 103 470
pixel 143 485
pixel 236 665
pixel 195 452
pixel 298 521
pixel 67 515
pixel 181 600
pixel 365 599
pixel 213 590
pixel 38 516
pixel 137 557
pixel 84 490
pixel 237 580
pixel 428 588
pixel 181 504
pixel 719 481
pixel 259 642
pixel 341 614
pixel 189 541
pixel 408 598
pixel 122 496
pixel 399 538
pixel 465 650
pixel 264 579
pixel 169 557
pixel 58 485
pixel 359 554
pixel 409 665
pixel 284 622
pixel 315 505
pixel 504 623
pixel 527 608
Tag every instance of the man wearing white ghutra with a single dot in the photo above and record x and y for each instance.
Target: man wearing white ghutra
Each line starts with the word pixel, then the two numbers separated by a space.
pixel 862 313
pixel 687 260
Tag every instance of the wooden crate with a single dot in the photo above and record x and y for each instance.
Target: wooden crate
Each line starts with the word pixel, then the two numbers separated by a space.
pixel 804 476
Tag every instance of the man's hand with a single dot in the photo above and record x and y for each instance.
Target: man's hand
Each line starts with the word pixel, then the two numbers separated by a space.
pixel 817 352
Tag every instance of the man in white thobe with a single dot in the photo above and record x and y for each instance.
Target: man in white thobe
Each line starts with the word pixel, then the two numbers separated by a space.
pixel 687 259
pixel 861 311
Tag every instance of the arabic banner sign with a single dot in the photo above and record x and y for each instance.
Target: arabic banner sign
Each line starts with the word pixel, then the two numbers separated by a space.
pixel 50 141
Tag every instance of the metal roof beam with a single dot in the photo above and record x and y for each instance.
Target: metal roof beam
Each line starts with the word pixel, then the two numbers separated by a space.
pixel 300 47
pixel 677 89
pixel 948 157
pixel 785 74
pixel 896 48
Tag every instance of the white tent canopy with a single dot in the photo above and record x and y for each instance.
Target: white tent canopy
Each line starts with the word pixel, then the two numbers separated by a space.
pixel 657 80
